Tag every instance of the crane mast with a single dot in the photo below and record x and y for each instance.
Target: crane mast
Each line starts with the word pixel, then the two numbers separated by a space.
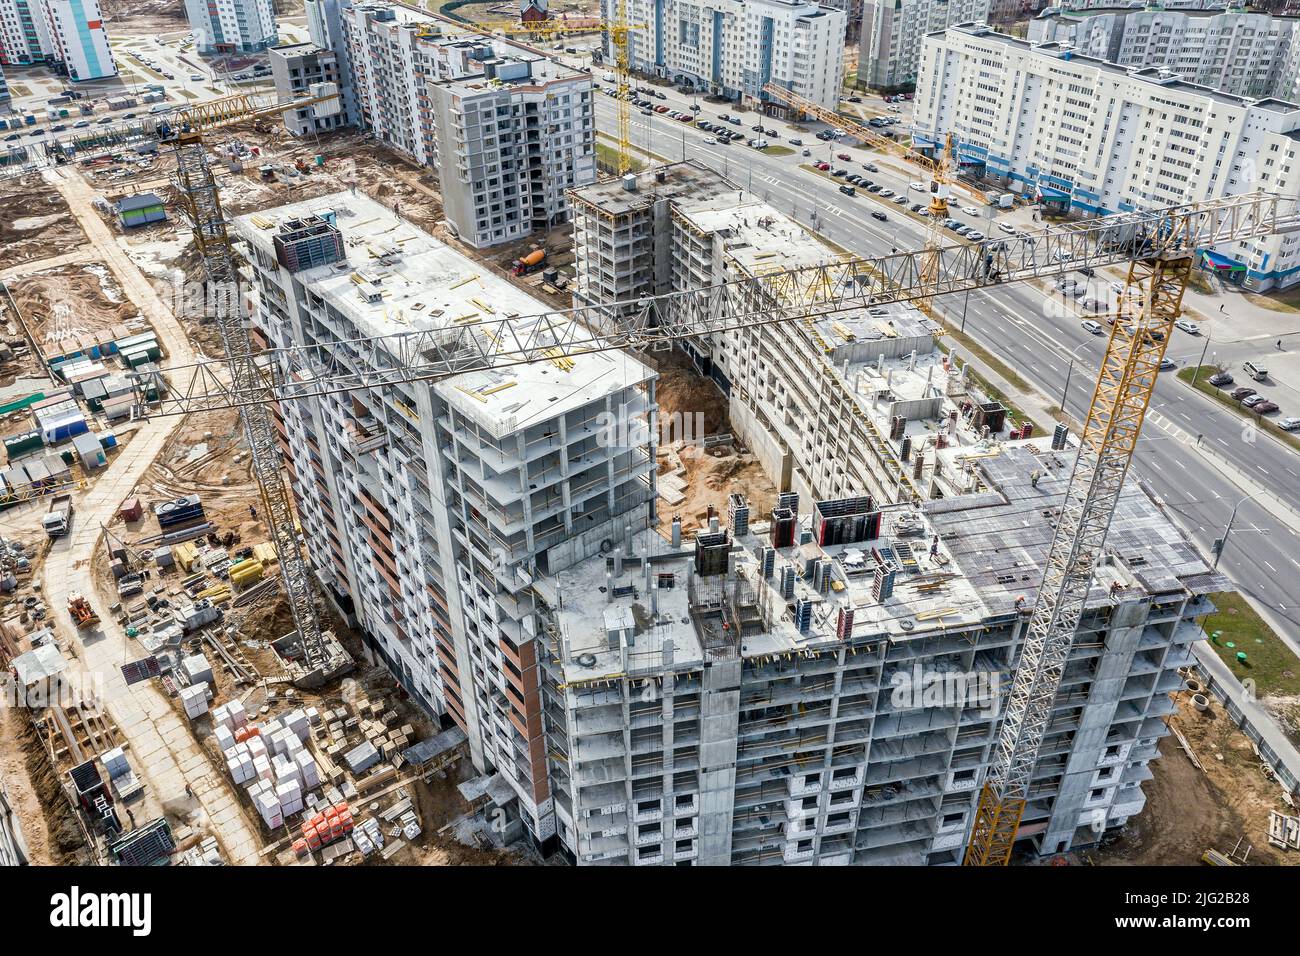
pixel 1125 384
pixel 318 656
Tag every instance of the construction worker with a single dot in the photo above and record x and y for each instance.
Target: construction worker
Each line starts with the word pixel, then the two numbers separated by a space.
pixel 252 511
pixel 1033 478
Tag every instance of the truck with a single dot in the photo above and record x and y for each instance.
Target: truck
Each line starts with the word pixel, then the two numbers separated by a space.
pixel 57 520
pixel 529 263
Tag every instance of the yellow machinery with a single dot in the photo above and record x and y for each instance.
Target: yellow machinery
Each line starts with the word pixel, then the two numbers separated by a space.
pixel 618 33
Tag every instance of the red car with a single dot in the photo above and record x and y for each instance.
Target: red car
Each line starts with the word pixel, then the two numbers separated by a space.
pixel 845 156
pixel 685 117
pixel 661 109
pixel 823 166
pixel 1265 408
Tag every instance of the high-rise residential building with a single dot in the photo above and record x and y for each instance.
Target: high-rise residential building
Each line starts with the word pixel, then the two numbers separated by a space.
pixel 1083 134
pixel 66 34
pixel 325 29
pixel 889 47
pixel 784 686
pixel 232 26
pixel 429 510
pixel 5 101
pixel 1231 50
pixel 734 47
pixel 508 128
pixel 304 69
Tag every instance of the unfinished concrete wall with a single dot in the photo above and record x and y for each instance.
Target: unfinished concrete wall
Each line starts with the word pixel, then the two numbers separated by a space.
pixel 720 711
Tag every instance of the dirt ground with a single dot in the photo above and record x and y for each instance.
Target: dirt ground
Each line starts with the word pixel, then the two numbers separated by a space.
pixel 71 301
pixel 1190 811
pixel 35 223
pixel 709 476
pixel 50 828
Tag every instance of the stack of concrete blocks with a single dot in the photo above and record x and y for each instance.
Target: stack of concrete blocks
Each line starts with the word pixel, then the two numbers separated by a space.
pixel 197 669
pixel 368 837
pixel 231 716
pixel 195 700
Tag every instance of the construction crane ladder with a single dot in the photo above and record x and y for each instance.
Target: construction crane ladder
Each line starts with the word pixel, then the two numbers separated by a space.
pixel 198 192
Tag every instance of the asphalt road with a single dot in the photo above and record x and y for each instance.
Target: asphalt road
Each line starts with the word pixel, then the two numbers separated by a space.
pixel 1039 338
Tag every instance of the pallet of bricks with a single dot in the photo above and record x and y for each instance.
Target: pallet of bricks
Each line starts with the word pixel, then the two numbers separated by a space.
pixel 270 760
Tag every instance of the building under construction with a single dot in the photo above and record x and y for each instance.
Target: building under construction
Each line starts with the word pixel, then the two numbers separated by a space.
pixel 824 684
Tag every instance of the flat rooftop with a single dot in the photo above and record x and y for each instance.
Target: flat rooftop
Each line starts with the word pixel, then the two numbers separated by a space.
pixel 426 286
pixel 680 182
pixel 959 563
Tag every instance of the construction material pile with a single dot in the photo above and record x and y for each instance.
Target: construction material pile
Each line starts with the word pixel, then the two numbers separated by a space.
pixel 272 759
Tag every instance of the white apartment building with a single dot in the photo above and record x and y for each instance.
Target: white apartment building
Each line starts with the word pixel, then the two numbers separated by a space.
pixel 429 509
pixel 305 69
pixel 740 695
pixel 734 47
pixel 1231 50
pixel 508 128
pixel 66 34
pixel 889 48
pixel 232 26
pixel 1083 134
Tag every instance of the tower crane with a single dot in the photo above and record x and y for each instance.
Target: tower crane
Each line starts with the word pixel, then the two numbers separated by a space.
pixel 618 32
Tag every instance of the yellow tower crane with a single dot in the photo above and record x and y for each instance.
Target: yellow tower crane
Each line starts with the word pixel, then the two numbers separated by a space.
pixel 619 34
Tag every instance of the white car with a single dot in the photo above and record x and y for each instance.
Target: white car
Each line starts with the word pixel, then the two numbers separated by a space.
pixel 1091 327
pixel 1289 424
pixel 919 187
pixel 970 210
pixel 1188 326
pixel 710 141
pixel 1006 227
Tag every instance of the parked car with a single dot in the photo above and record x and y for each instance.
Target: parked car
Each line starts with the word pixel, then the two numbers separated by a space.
pixel 853 178
pixel 838 173
pixel 1006 227
pixel 1220 379
pixel 1265 408
pixel 886 193
pixel 974 235
pixel 1250 401
pixel 1289 423
pixel 916 207
pixel 1244 391
pixel 824 167
pixel 757 127
pixel 874 188
pixel 899 200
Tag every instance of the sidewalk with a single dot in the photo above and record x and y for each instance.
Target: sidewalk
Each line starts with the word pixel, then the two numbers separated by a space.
pixel 163 749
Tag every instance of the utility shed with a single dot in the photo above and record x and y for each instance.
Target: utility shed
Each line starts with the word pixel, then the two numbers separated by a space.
pixel 140 210
pixel 90 451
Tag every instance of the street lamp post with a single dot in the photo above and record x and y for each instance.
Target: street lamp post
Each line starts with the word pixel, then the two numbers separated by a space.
pixel 1196 372
pixel 1221 543
pixel 1068 372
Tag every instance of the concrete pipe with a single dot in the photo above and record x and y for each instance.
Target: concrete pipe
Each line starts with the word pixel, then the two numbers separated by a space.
pixel 1201 702
pixel 1192 685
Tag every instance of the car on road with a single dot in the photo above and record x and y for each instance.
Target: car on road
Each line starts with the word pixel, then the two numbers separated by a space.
pixel 757 127
pixel 12 136
pixel 795 141
pixel 1244 391
pixel 661 96
pixel 758 143
pixel 82 125
pixel 1167 363
pixel 1265 408
pixel 1251 401
pixel 894 109
pixel 772 133
pixel 1220 379
pixel 1290 423
pixel 970 210
pixel 844 157
pixel 855 99
pixel 974 235
pixel 647 112
pixel 1091 304
pixel 1188 326
pixel 919 187
pixel 734 120
pixel 848 190
pixel 1006 227
pixel 1091 327
pixel 880 215
pixel 106 119
pixel 871 167
pixel 197 77
pixel 806 152
pixel 710 141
